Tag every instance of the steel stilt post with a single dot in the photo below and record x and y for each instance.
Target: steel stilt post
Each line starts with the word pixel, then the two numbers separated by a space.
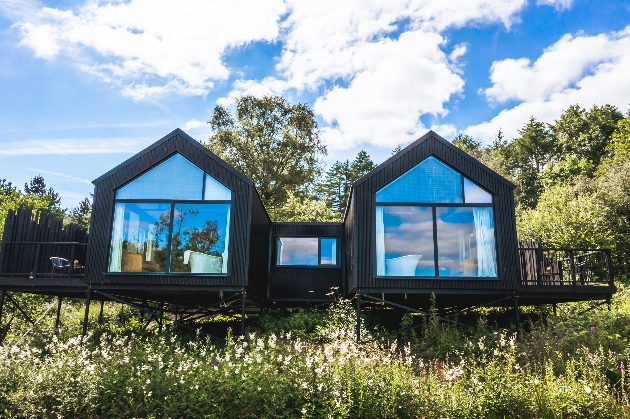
pixel 59 298
pixel 87 311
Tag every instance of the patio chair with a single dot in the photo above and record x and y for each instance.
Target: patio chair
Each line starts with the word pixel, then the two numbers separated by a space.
pixel 59 263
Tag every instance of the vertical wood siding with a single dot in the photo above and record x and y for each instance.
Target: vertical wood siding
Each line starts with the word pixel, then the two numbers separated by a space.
pixel 293 283
pixel 259 246
pixel 364 213
pixel 103 211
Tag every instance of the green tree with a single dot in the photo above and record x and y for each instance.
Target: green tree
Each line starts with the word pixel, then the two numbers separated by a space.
pixel 586 134
pixel 37 188
pixel 335 188
pixel 81 214
pixel 273 142
pixel 304 209
pixel 468 144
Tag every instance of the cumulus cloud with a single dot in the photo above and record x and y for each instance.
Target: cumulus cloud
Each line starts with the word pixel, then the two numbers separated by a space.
pixel 193 123
pixel 381 64
pixel 577 69
pixel 150 47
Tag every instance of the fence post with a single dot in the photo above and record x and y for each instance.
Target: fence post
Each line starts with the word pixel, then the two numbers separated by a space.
pixel 572 264
pixel 539 265
pixel 71 261
pixel 609 267
pixel 34 272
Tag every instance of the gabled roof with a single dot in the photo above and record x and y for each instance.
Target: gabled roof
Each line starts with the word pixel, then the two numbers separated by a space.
pixel 182 136
pixel 433 136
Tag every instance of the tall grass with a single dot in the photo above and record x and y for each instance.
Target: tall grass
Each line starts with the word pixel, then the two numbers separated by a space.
pixel 563 368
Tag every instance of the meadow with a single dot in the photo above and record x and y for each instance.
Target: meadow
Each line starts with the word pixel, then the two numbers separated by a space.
pixel 306 363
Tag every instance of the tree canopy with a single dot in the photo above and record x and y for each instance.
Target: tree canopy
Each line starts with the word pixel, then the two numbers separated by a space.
pixel 273 142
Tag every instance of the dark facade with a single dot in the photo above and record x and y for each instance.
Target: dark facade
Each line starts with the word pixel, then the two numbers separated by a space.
pixel 359 224
pixel 248 228
pixel 305 283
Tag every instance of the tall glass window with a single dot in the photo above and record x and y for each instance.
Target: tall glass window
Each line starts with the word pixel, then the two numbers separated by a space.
pixel 187 233
pixel 441 226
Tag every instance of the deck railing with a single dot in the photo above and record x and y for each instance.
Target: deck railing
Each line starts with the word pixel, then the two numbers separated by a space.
pixel 549 266
pixel 33 259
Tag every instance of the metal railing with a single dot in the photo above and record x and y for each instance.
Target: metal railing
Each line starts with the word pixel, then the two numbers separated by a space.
pixel 549 266
pixel 33 259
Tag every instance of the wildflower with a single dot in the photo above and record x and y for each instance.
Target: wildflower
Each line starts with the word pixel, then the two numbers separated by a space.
pixel 129 390
pixel 587 389
pixel 622 367
pixel 149 394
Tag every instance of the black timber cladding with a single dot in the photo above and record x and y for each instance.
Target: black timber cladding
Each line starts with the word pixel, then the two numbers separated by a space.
pixel 360 219
pixel 294 283
pixel 241 212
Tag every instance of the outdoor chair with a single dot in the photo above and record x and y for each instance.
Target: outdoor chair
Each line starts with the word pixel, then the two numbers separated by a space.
pixel 59 263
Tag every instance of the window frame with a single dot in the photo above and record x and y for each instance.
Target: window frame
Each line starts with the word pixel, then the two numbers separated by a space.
pixel 172 203
pixel 434 206
pixel 319 252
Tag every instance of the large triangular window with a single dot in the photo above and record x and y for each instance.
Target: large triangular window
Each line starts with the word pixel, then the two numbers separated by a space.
pixel 434 222
pixel 174 218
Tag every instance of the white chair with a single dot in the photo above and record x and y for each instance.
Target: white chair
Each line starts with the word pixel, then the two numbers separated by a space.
pixel 201 263
pixel 402 266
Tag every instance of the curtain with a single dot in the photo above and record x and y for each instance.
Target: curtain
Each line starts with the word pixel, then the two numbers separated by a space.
pixel 380 242
pixel 486 253
pixel 227 243
pixel 115 255
pixel 334 252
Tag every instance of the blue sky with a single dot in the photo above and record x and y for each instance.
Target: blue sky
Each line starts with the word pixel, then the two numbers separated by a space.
pixel 86 84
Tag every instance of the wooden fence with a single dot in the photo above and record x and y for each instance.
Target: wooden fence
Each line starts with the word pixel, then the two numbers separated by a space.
pixel 32 237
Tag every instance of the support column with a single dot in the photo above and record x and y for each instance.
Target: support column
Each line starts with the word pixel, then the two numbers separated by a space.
pixel 100 315
pixel 161 319
pixel 87 311
pixel 1 305
pixel 58 313
pixel 555 310
pixel 518 320
pixel 358 307
pixel 243 313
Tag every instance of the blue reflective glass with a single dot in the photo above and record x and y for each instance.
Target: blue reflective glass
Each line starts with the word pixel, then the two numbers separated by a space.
pixel 431 181
pixel 175 178
pixel 474 194
pixel 404 241
pixel 140 237
pixel 328 252
pixel 466 243
pixel 300 251
pixel 216 191
pixel 200 238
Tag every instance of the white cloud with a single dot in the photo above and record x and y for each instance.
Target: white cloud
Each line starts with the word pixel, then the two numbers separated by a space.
pixel 391 80
pixel 63 175
pixel 150 47
pixel 577 69
pixel 193 123
pixel 557 4
pixel 75 146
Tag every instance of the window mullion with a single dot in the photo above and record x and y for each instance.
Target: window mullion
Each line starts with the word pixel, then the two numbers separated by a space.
pixel 435 241
pixel 170 238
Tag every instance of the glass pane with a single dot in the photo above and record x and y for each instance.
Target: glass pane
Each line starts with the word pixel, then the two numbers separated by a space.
pixel 216 191
pixel 404 241
pixel 328 251
pixel 200 238
pixel 175 178
pixel 428 182
pixel 139 238
pixel 474 194
pixel 466 244
pixel 300 251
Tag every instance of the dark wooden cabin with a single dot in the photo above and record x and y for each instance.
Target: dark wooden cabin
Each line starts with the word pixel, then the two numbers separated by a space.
pixel 433 220
pixel 176 223
pixel 306 263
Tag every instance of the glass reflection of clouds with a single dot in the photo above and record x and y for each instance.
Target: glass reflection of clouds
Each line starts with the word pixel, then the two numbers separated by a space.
pixel 404 241
pixel 299 251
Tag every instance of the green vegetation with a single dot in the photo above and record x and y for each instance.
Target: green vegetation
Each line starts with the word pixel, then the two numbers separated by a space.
pixel 306 363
